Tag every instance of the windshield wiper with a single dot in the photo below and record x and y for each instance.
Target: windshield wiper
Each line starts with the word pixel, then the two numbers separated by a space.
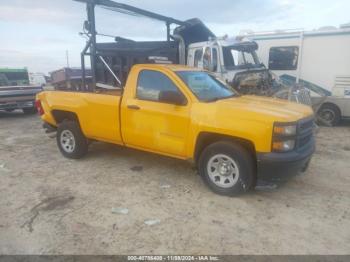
pixel 218 98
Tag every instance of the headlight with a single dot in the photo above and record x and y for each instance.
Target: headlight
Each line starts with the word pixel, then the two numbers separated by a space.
pixel 284 130
pixel 283 146
pixel 283 137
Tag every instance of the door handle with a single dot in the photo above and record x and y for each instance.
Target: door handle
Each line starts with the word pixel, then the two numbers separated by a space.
pixel 135 107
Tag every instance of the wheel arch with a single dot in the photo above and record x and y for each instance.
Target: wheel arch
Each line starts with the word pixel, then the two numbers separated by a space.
pixel 330 104
pixel 205 139
pixel 62 115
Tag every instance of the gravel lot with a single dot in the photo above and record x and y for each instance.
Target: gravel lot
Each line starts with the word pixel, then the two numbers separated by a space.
pixel 52 205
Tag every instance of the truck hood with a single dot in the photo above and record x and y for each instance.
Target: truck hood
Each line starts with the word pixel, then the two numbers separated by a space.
pixel 263 109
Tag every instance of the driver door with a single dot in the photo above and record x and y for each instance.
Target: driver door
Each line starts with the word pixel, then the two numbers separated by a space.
pixel 152 124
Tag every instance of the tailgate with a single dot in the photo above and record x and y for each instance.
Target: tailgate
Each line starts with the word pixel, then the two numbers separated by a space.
pixel 18 93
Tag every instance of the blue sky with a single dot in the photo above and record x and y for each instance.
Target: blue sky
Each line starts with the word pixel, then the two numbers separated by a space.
pixel 37 33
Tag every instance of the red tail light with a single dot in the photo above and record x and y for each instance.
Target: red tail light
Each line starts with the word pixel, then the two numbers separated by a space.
pixel 39 107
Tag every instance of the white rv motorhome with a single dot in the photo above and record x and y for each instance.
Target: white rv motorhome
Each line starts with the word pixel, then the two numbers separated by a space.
pixel 318 60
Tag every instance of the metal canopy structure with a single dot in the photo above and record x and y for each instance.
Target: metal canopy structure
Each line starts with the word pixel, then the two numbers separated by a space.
pixel 90 27
pixel 131 10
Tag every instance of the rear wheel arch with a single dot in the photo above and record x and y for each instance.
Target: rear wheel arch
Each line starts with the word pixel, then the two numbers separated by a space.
pixel 61 115
pixel 204 139
pixel 70 140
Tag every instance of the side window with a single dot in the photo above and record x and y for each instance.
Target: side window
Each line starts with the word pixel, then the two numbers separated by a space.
pixel 283 58
pixel 249 58
pixel 237 57
pixel 151 83
pixel 215 59
pixel 207 59
pixel 197 57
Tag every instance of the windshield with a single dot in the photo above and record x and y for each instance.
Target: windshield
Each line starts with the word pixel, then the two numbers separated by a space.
pixel 13 78
pixel 234 59
pixel 205 86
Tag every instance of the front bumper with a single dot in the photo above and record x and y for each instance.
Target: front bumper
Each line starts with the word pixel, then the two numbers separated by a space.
pixel 276 167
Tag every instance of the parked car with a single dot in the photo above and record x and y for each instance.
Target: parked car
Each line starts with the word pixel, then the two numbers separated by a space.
pixel 318 60
pixel 16 91
pixel 186 113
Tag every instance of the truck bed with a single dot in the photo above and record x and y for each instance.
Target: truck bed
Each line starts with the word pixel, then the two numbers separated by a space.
pixel 93 111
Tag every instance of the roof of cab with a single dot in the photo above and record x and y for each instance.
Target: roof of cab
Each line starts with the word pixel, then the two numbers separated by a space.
pixel 171 67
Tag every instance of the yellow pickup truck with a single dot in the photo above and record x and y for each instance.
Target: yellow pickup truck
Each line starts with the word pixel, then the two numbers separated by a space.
pixel 187 113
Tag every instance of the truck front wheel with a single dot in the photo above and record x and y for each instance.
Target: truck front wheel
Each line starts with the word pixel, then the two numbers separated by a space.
pixel 71 141
pixel 227 168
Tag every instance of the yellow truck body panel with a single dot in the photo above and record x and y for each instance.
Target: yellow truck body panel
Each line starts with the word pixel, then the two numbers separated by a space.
pixel 169 129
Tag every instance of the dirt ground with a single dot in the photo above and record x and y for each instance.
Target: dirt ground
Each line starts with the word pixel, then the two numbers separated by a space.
pixel 52 205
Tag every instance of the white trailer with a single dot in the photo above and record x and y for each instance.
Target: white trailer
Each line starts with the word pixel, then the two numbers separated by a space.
pixel 318 60
pixel 37 79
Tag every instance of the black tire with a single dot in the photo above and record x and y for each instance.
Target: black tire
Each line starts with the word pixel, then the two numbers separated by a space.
pixel 80 142
pixel 243 161
pixel 329 115
pixel 29 111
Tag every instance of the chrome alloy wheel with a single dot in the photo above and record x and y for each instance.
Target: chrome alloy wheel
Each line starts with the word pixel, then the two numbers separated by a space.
pixel 223 170
pixel 67 141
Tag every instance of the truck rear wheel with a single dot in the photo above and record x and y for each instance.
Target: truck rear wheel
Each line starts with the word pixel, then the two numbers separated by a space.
pixel 71 141
pixel 227 168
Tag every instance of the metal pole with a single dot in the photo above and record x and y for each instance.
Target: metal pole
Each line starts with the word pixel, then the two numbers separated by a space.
pixel 300 59
pixel 82 57
pixel 111 71
pixel 91 19
pixel 119 6
pixel 168 31
pixel 83 88
pixel 67 58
